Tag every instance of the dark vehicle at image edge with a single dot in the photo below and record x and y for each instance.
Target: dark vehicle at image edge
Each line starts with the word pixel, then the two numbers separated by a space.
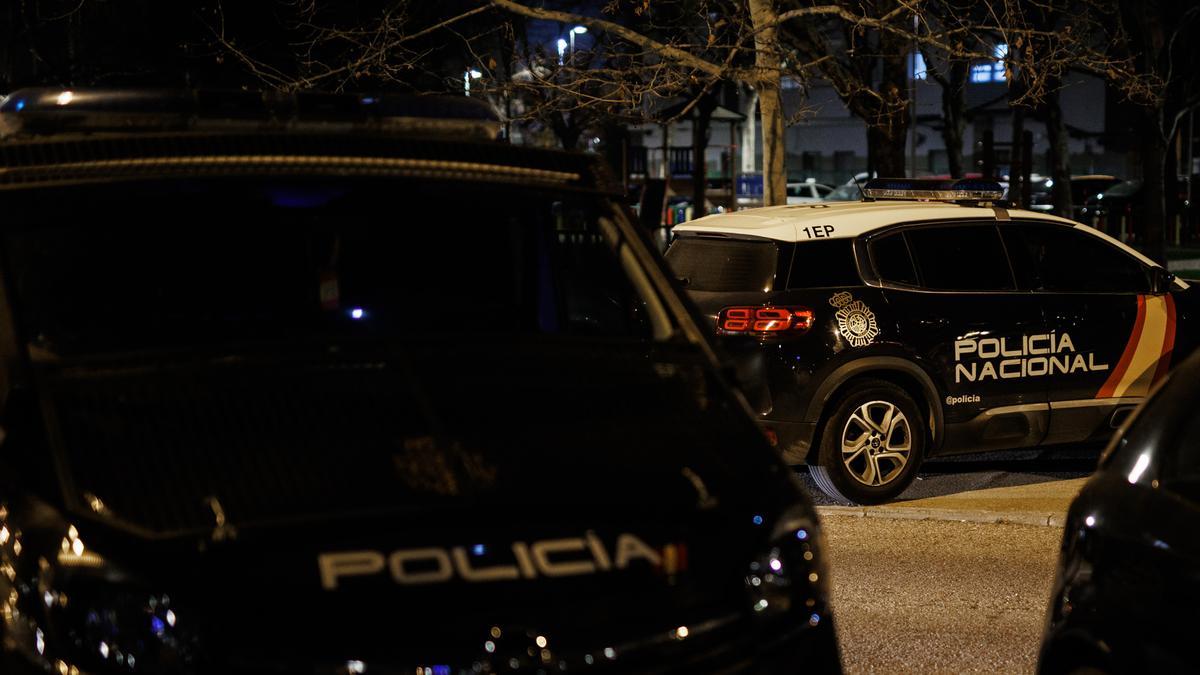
pixel 278 399
pixel 1127 587
pixel 904 327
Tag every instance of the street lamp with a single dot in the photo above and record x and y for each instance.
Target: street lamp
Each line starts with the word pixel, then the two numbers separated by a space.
pixel 562 48
pixel 577 30
pixel 469 75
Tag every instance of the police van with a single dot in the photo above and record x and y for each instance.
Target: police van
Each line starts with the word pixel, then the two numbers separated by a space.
pixel 256 419
pixel 929 319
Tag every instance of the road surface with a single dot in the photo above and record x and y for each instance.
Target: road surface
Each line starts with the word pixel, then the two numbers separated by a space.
pixel 939 596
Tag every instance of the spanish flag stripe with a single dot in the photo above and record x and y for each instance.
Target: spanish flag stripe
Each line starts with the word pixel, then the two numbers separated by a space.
pixel 1164 363
pixel 1130 347
pixel 1140 374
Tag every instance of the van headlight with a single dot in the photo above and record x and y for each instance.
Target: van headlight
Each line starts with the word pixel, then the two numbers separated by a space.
pixel 105 627
pixel 91 616
pixel 790 575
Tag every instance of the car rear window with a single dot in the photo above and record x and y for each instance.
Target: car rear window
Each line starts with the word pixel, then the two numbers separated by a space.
pixel 724 265
pixel 824 264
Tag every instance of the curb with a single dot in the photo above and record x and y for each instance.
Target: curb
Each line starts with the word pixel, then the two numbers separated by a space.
pixel 953 515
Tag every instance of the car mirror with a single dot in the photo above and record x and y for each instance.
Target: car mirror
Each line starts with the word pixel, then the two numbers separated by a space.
pixel 1161 280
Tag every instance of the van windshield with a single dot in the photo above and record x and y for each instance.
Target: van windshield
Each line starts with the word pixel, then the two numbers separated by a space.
pixel 193 262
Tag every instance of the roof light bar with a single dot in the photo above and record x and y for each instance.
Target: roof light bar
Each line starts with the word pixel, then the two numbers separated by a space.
pixel 927 189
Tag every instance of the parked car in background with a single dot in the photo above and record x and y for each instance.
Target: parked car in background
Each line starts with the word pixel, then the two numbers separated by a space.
pixel 850 192
pixel 269 407
pixel 1082 188
pixel 1120 210
pixel 808 192
pixel 1112 210
pixel 1127 586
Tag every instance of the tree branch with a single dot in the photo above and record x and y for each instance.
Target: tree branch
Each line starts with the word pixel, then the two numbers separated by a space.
pixel 667 51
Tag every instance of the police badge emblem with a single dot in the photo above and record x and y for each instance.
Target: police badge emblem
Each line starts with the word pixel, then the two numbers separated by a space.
pixel 855 319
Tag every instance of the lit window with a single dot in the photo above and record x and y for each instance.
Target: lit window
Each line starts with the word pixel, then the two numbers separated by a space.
pixel 992 71
pixel 916 66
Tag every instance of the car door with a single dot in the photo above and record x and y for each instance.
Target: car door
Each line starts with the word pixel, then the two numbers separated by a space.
pixel 1113 335
pixel 960 311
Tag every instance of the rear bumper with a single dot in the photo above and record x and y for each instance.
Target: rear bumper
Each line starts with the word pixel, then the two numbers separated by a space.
pixel 792 439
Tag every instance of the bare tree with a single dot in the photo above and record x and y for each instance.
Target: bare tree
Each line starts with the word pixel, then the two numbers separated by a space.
pixel 330 46
pixel 669 63
pixel 1158 36
pixel 647 52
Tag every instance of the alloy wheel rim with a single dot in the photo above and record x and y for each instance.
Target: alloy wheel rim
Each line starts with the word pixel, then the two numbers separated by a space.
pixel 876 443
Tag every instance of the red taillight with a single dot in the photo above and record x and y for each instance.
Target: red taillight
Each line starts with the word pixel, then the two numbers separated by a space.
pixel 772 437
pixel 765 320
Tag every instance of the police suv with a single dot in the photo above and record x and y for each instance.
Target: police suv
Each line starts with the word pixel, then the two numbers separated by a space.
pixel 929 319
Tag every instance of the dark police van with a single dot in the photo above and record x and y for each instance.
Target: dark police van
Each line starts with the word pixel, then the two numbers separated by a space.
pixel 278 397
pixel 929 319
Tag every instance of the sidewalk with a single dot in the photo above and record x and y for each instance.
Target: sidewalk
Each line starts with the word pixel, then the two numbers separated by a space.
pixel 1042 504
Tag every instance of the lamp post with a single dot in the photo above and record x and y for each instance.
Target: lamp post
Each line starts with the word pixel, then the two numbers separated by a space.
pixel 562 48
pixel 577 30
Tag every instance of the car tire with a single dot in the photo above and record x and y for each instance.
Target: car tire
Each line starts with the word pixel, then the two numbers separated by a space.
pixel 872 443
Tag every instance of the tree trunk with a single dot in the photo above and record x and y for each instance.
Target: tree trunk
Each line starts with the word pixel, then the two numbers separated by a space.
pixel 1016 161
pixel 887 129
pixel 1154 154
pixel 1172 207
pixel 700 125
pixel 888 146
pixel 666 154
pixel 749 131
pixel 954 115
pixel 1060 154
pixel 566 130
pixel 616 150
pixel 763 16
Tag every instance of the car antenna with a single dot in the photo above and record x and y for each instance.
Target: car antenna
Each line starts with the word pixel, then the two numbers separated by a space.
pixel 861 195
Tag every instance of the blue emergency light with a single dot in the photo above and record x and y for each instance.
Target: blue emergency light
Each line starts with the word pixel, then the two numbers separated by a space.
pixel 933 189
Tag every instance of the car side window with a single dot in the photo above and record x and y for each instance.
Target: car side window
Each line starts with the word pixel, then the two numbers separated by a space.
pixel 960 258
pixel 1062 259
pixel 824 264
pixel 892 261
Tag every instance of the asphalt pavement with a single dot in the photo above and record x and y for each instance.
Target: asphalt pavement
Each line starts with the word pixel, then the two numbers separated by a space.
pixel 936 596
pixel 955 575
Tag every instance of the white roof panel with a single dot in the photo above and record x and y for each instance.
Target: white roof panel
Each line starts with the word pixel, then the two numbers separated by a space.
pixel 839 220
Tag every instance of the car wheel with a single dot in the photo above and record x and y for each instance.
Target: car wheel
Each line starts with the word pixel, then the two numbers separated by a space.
pixel 872 443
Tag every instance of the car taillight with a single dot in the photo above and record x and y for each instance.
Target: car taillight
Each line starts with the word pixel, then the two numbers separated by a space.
pixel 765 320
